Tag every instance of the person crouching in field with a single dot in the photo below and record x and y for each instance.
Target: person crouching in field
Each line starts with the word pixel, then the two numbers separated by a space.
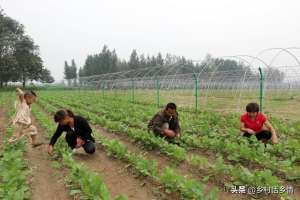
pixel 256 123
pixel 78 131
pixel 165 123
pixel 22 124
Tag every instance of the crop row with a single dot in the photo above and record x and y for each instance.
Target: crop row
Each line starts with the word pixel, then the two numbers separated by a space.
pixel 13 168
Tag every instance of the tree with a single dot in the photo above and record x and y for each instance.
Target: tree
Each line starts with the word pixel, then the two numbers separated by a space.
pixel 46 77
pixel 159 59
pixel 274 75
pixel 88 67
pixel 153 62
pixel 10 32
pixel 134 60
pixel 105 62
pixel 231 69
pixel 68 73
pixel 81 72
pixel 29 63
pixel 143 61
pixel 19 55
pixel 73 72
pixel 114 61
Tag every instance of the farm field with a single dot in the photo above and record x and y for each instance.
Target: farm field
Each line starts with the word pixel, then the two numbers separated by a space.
pixel 153 100
pixel 282 104
pixel 210 160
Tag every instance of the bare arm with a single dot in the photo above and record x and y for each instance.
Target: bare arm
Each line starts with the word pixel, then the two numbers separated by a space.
pixel 20 94
pixel 273 132
pixel 246 130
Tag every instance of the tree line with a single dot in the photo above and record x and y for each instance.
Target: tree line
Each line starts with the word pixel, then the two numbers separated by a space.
pixel 107 61
pixel 19 55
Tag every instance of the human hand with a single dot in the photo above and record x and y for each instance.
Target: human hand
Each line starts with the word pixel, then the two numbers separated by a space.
pixel 169 133
pixel 250 131
pixel 50 149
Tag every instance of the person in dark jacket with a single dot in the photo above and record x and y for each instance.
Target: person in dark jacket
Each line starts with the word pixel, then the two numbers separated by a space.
pixel 165 123
pixel 78 131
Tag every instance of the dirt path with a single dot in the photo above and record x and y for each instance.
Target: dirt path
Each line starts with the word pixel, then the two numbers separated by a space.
pixel 161 159
pixel 46 182
pixel 117 177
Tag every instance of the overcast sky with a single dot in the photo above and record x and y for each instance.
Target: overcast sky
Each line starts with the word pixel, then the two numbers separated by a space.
pixel 66 29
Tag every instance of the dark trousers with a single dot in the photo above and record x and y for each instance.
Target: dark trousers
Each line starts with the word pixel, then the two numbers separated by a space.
pixel 266 135
pixel 172 124
pixel 71 139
